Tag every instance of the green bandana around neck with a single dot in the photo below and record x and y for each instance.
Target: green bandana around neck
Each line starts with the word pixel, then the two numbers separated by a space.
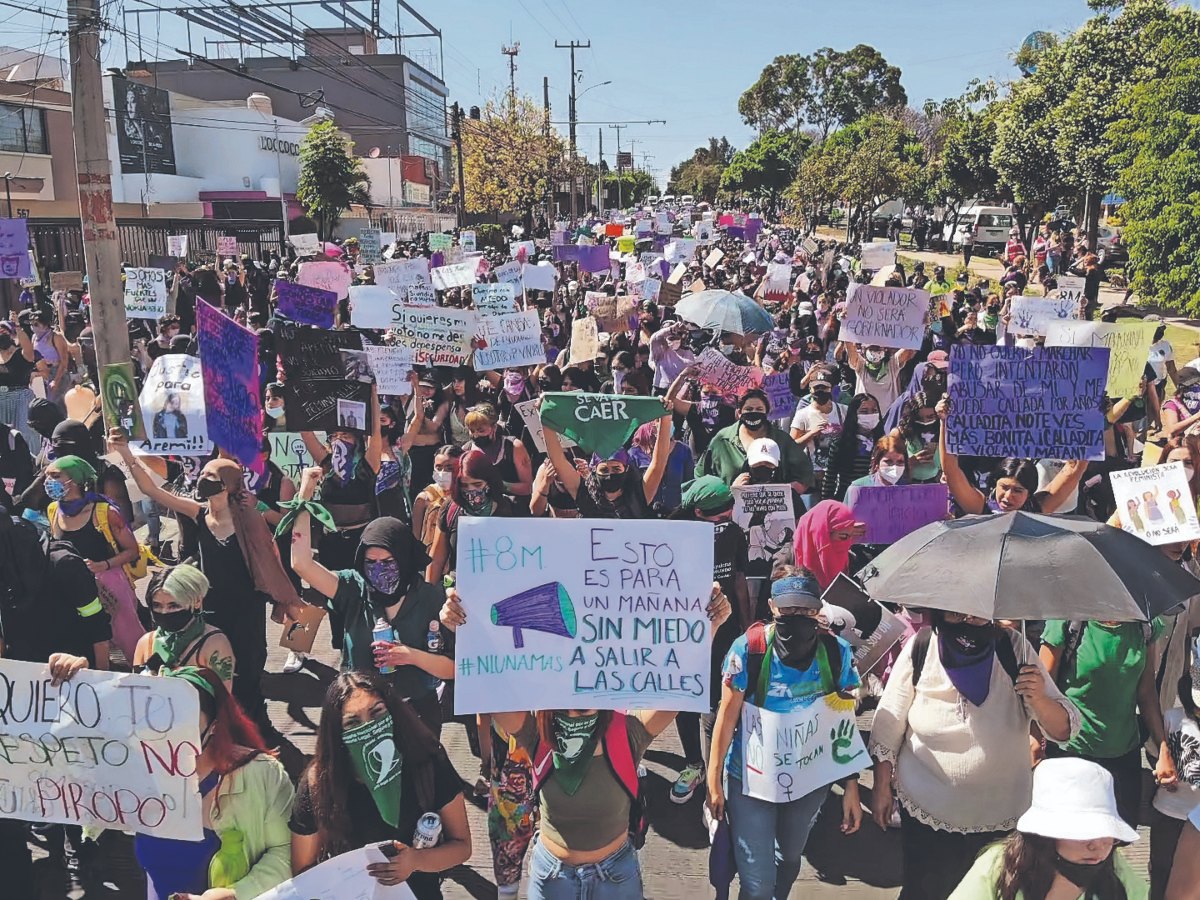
pixel 598 423
pixel 574 748
pixel 169 645
pixel 377 762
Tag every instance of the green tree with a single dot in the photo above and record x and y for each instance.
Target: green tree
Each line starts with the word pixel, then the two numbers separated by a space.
pixel 635 187
pixel 817 184
pixel 882 160
pixel 778 99
pixel 700 175
pixel 765 168
pixel 331 177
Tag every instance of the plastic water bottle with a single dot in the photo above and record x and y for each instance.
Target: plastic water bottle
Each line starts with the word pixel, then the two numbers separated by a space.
pixel 384 632
pixel 433 639
pixel 428 833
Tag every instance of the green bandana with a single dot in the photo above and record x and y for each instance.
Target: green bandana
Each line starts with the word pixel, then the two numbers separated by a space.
pixel 377 761
pixel 169 645
pixel 599 423
pixel 294 508
pixel 575 746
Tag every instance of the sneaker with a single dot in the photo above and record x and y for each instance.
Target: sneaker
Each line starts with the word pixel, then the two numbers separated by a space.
pixel 294 662
pixel 482 785
pixel 508 890
pixel 686 784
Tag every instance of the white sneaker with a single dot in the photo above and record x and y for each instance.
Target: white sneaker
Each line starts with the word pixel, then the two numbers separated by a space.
pixel 294 662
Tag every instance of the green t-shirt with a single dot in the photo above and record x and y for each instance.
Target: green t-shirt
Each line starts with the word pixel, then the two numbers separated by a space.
pixel 1103 683
pixel 981 882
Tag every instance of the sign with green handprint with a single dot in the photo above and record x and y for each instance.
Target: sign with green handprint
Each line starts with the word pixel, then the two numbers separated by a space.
pixel 786 755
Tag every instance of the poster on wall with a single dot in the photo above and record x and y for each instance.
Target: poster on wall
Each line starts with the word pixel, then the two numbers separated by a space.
pixel 144 140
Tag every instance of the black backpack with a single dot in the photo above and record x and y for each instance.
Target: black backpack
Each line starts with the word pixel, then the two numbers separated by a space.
pixel 1072 638
pixel 1004 652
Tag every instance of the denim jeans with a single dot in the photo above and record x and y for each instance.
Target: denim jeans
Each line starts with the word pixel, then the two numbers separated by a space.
pixel 616 877
pixel 769 839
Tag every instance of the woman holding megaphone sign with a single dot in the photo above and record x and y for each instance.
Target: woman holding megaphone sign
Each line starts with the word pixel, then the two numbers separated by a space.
pixel 592 817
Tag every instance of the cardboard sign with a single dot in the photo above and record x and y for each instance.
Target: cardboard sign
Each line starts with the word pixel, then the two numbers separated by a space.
pixel 584 614
pixel 1034 315
pixel 540 277
pixel 119 398
pixel 1128 344
pixel 328 276
pixel 398 275
pixel 172 402
pixel 892 511
pixel 227 246
pixel 787 755
pixel 288 451
pixel 440 241
pixel 452 276
pixel 766 514
pixel 370 246
pixel 810 247
pixel 145 293
pixel 103 750
pixel 1155 503
pixel 731 379
pixel 864 623
pixel 305 244
pixel 177 246
pixel 1029 404
pixel 1070 288
pixel 885 316
pixel 66 281
pixel 527 409
pixel 466 240
pixel 232 403
pixel 301 632
pixel 316 376
pixel 509 340
pixel 585 340
pixel 494 299
pixel 878 255
pixel 612 314
pixel 372 306
pixel 306 305
pixel 437 337
pixel 391 366
pixel 714 257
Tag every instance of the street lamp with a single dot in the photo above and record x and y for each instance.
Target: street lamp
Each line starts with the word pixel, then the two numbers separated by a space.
pixel 8 180
pixel 574 106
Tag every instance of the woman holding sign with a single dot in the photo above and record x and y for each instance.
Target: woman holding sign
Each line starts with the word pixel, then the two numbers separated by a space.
pixel 794 676
pixel 16 368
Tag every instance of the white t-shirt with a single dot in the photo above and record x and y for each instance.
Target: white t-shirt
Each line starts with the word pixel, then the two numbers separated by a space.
pixel 809 417
pixel 1183 735
pixel 884 389
pixel 1161 353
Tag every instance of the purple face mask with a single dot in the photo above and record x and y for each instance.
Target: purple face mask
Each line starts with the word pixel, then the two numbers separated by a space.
pixel 514 383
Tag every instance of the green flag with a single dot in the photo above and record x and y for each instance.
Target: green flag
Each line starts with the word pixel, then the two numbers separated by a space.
pixel 599 423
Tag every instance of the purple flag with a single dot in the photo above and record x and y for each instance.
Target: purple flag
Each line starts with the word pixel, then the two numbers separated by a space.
pixel 892 511
pixel 229 364
pixel 14 249
pixel 306 305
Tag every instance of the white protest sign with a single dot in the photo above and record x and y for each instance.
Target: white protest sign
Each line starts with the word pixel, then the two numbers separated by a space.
pixel 680 250
pixel 457 275
pixel 714 257
pixel 305 244
pixel 779 276
pixel 509 273
pixel 172 402
pixel 540 277
pixel 509 340
pixel 1128 343
pixel 145 293
pixel 391 366
pixel 1034 315
pixel 584 614
pixel 703 232
pixel 371 306
pixel 466 240
pixel 400 274
pixel 103 749
pixel 585 340
pixel 420 295
pixel 662 223
pixel 885 316
pixel 649 289
pixel 177 245
pixel 227 245
pixel 766 514
pixel 494 299
pixel 787 755
pixel 328 275
pixel 516 248
pixel 1070 287
pixel 345 877
pixel 533 422
pixel 289 452
pixel 810 247
pixel 439 337
pixel 635 273
pixel 878 254
pixel 1155 503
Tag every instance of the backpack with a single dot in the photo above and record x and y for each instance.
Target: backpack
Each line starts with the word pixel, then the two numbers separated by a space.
pixel 615 745
pixel 140 567
pixel 758 666
pixel 1004 652
pixel 1072 638
pixel 433 511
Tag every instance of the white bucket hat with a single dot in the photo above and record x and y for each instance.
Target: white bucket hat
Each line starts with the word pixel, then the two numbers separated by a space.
pixel 1073 800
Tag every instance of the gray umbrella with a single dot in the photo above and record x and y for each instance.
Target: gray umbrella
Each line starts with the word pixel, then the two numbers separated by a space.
pixel 1027 566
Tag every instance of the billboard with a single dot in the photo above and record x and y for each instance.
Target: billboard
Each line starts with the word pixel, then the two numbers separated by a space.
pixel 144 140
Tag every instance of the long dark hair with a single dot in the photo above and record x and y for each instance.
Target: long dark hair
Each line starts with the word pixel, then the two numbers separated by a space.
pixel 846 446
pixel 1023 471
pixel 1029 870
pixel 908 424
pixel 331 774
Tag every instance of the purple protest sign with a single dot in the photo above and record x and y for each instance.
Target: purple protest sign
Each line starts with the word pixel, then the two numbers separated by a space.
pixel 14 249
pixel 229 364
pixel 890 512
pixel 737 232
pixel 437 259
pixel 590 259
pixel 306 305
pixel 779 390
pixel 753 226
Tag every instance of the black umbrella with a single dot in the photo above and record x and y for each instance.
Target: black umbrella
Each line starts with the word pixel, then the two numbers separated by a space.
pixel 1027 566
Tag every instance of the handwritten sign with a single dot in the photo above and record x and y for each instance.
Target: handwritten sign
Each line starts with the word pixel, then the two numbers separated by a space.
pixel 584 614
pixel 1070 288
pixel 316 376
pixel 1034 315
pixel 305 244
pixel 585 340
pixel 680 250
pixel 440 241
pixel 885 316
pixel 103 749
pixel 227 246
pixel 328 276
pixel 717 370
pixel 14 249
pixel 861 621
pixel 229 362
pixel 456 275
pixel 1128 344
pixel 766 514
pixel 509 340
pixel 345 877
pixel 878 254
pixel 370 246
pixel 398 275
pixel 439 337
pixel 1031 404
pixel 466 240
pixel 540 277
pixel 119 396
pixel 391 366
pixel 528 411
pixel 145 293
pixel 306 305
pixel 786 755
pixel 372 306
pixel 1155 503
pixel 892 511
pixel 172 402
pixel 420 295
pixel 778 386
pixel 177 246
pixel 66 281
pixel 494 299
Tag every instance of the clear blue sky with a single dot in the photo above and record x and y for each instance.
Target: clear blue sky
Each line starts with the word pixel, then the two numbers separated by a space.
pixel 686 61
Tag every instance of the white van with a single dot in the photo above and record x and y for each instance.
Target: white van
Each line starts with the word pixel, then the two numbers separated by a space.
pixel 668 200
pixel 990 225
pixel 687 200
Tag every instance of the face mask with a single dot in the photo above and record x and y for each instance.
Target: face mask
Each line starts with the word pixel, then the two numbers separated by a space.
pixel 377 763
pixel 343 459
pixel 618 379
pixel 6 341
pixel 1189 473
pixel 795 640
pixel 762 474
pixel 574 749
pixel 475 500
pixel 822 397
pixel 209 487
pixel 890 473
pixel 1080 874
pixel 753 420
pixel 55 490
pixel 969 638
pixel 174 621
pixel 383 575
pixel 728 349
pixel 612 482
pixel 868 421
pixel 874 357
pixel 274 411
pixel 484 441
pixel 443 479
pixel 514 383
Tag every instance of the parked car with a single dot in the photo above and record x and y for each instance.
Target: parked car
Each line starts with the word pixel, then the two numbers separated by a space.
pixel 990 225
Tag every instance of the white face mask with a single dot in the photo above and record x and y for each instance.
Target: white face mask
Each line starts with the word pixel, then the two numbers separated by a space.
pixel 274 411
pixel 443 479
pixel 868 421
pixel 1189 473
pixel 889 473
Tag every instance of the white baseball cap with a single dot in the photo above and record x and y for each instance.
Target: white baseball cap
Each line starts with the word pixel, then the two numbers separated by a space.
pixel 1073 800
pixel 763 450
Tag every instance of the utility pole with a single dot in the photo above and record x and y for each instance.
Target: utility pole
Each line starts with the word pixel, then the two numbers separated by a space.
pixel 620 198
pixel 549 155
pixel 573 46
pixel 456 134
pixel 600 178
pixel 511 52
pixel 101 246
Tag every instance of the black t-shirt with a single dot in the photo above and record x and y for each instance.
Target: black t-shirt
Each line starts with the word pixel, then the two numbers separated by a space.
pixel 369 827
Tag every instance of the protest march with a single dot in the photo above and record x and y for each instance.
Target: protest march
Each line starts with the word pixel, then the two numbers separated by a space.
pixel 715 537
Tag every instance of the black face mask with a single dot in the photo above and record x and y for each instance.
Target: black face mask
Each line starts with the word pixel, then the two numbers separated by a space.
pixel 753 420
pixel 484 441
pixel 612 482
pixel 6 341
pixel 209 487
pixel 173 621
pixel 822 396
pixel 969 638
pixel 796 640
pixel 762 475
pixel 1081 875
